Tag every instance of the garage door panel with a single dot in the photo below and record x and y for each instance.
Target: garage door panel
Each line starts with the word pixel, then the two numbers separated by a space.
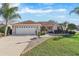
pixel 25 30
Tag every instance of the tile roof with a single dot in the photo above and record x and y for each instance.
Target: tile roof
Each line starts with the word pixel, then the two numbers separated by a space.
pixel 46 24
pixel 29 22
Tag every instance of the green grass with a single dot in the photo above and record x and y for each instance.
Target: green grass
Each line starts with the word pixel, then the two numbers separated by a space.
pixel 64 46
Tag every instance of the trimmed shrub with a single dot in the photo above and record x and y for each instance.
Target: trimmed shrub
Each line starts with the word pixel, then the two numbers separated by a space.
pixel 1 34
pixel 57 38
pixel 41 33
pixel 71 32
pixel 2 29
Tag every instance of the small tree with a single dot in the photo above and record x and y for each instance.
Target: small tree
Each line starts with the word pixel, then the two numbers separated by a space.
pixel 43 29
pixel 65 25
pixel 72 26
pixel 39 34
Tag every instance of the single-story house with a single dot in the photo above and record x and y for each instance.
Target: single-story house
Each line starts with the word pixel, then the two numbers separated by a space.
pixel 31 27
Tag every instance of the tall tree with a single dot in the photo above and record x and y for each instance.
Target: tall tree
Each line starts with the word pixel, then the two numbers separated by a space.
pixel 8 13
pixel 64 25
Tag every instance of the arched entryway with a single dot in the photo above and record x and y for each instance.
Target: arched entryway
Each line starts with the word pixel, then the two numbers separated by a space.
pixel 9 31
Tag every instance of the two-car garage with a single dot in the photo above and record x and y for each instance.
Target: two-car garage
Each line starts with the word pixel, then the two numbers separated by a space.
pixel 26 28
pixel 26 31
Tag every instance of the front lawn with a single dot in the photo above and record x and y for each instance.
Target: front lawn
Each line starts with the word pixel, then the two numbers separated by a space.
pixel 64 46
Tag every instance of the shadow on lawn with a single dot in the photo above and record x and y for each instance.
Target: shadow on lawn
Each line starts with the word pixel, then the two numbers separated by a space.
pixel 71 36
pixel 66 36
pixel 57 38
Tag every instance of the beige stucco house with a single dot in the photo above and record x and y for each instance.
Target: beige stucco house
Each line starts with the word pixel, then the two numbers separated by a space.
pixel 30 27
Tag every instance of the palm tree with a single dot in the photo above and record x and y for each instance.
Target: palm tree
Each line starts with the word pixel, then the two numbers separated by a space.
pixel 64 25
pixel 75 10
pixel 8 13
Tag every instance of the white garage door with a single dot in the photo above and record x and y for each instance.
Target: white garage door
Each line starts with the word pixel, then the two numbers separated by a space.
pixel 25 31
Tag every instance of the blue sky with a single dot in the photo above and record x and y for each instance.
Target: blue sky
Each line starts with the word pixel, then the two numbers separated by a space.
pixel 48 11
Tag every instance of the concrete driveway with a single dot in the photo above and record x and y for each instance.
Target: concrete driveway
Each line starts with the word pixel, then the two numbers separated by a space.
pixel 13 45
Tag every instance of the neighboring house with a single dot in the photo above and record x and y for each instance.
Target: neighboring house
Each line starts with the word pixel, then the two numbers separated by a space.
pixel 30 27
pixel 49 26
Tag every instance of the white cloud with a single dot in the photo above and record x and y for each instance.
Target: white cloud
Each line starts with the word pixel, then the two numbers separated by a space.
pixel 61 10
pixel 1 19
pixel 29 10
pixel 0 5
pixel 61 16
